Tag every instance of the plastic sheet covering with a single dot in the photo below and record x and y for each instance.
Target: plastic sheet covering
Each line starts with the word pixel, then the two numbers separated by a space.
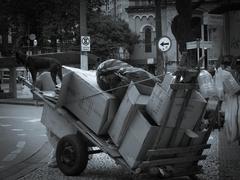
pixel 116 74
pixel 219 83
pixel 206 84
pixel 232 121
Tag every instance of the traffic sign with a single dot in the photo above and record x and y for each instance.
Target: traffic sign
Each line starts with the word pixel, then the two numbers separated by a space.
pixel 85 43
pixel 199 44
pixel 32 37
pixel 164 44
pixel 213 19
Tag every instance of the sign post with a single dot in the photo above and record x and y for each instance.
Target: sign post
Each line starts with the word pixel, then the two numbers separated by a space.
pixel 164 44
pixel 85 47
pixel 199 45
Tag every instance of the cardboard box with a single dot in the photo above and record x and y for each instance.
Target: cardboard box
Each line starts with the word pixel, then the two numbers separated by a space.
pixel 159 102
pixel 135 96
pixel 138 139
pixel 159 105
pixel 160 98
pixel 81 95
pixel 56 123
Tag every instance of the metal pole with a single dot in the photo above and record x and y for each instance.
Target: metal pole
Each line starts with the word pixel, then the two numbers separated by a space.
pixel 160 59
pixel 83 31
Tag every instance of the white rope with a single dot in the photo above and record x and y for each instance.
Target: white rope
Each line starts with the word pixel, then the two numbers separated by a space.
pixel 120 87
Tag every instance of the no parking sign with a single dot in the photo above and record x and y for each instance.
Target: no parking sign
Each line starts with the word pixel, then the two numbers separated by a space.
pixel 85 43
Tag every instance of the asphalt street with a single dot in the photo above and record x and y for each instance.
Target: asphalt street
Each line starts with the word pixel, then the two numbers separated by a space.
pixel 24 151
pixel 21 136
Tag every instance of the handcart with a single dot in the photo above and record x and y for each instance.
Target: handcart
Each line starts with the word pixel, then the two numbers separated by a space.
pixel 77 141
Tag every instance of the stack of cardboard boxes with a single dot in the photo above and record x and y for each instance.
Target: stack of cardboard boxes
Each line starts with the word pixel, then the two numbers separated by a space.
pixel 134 124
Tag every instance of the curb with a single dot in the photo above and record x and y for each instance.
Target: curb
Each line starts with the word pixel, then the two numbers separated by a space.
pixel 22 102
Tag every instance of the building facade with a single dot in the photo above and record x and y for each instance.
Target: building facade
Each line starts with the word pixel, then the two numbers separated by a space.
pixel 214 21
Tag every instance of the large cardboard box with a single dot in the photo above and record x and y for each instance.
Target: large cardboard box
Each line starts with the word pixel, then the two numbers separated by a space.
pixel 138 139
pixel 56 122
pixel 81 95
pixel 136 96
pixel 159 102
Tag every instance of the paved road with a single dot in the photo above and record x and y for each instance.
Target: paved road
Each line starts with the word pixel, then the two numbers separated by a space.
pixel 21 136
pixel 102 167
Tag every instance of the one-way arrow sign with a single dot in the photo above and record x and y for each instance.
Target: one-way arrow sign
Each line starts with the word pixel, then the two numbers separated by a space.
pixel 164 44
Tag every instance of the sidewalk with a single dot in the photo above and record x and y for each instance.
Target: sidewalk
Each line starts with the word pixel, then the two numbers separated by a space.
pixel 229 159
pixel 24 97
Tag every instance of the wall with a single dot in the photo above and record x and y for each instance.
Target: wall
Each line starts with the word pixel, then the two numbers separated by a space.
pixel 234 33
pixel 167 16
pixel 137 23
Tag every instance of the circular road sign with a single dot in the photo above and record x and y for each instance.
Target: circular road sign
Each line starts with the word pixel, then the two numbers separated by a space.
pixel 164 44
pixel 32 37
pixel 85 40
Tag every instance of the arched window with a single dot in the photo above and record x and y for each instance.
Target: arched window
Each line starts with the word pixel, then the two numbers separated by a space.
pixel 148 39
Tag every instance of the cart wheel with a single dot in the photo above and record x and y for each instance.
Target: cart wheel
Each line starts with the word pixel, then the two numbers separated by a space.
pixel 72 155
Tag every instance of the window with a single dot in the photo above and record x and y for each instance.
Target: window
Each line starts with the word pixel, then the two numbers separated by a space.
pixel 143 2
pixel 148 40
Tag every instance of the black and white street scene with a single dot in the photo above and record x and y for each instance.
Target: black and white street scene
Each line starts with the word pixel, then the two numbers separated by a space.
pixel 119 89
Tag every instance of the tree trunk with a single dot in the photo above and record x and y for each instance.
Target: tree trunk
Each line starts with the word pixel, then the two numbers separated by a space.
pixel 4 38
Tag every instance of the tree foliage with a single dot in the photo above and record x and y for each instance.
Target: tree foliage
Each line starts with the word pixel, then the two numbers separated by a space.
pixel 48 19
pixel 52 20
pixel 108 36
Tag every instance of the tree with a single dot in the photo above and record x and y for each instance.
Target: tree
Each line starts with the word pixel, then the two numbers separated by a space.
pixel 4 28
pixel 48 19
pixel 107 35
pixel 54 21
pixel 63 22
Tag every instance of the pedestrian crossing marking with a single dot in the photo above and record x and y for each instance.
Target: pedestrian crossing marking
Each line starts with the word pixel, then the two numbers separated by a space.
pixel 11 156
